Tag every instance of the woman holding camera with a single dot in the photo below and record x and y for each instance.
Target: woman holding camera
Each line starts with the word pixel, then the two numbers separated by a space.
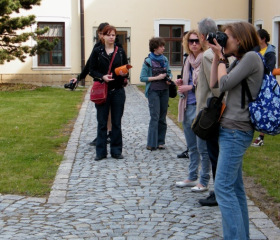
pixel 187 112
pixel 236 132
pixel 156 74
pixel 100 61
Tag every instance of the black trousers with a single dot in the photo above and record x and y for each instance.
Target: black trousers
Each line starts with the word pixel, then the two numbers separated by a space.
pixel 213 151
pixel 115 104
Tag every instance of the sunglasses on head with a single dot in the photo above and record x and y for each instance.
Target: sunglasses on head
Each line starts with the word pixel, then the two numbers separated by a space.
pixel 193 41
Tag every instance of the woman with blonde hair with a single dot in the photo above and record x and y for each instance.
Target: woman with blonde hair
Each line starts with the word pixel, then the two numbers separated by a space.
pixel 187 112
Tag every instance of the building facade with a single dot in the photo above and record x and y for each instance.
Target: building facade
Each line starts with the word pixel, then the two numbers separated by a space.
pixel 75 23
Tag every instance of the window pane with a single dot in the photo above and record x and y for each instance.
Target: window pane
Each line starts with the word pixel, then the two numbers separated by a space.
pixel 58 46
pixel 57 58
pixel 176 46
pixel 44 59
pixel 164 31
pixel 167 46
pixel 177 31
pixel 55 30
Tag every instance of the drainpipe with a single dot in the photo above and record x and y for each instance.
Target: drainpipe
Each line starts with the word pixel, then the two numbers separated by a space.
pixel 82 38
pixel 250 17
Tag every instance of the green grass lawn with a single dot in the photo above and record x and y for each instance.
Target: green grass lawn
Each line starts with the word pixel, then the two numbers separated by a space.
pixel 31 135
pixel 261 163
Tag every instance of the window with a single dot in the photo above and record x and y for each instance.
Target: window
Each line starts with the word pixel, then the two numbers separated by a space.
pixel 56 57
pixel 172 34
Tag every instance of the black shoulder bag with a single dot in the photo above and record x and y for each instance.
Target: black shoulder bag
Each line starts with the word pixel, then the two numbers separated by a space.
pixel 206 124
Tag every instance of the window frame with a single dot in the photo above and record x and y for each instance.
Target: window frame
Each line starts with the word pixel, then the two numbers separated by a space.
pixel 186 27
pixel 172 40
pixel 62 38
pixel 68 39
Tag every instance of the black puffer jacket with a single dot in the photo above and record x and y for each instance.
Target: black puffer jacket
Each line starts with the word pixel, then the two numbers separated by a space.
pixel 99 66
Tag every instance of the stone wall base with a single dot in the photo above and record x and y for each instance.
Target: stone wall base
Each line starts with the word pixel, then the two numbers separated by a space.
pixel 41 79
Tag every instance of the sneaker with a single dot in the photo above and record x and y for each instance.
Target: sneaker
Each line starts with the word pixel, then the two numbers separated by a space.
pixel 210 201
pixel 184 154
pixel 186 183
pixel 199 188
pixel 93 143
pixel 258 142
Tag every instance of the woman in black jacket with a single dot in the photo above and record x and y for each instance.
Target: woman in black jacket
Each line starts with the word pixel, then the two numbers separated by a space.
pixel 99 66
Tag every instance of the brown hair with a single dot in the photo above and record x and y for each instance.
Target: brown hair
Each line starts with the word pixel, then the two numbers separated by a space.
pixel 186 39
pixel 156 42
pixel 107 29
pixel 246 34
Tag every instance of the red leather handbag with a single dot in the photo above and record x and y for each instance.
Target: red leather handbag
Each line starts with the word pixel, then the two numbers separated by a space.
pixel 99 90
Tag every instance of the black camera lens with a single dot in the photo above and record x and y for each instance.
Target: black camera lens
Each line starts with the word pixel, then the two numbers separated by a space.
pixel 221 38
pixel 72 85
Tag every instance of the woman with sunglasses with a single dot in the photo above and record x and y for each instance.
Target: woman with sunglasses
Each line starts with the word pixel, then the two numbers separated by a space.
pixel 187 112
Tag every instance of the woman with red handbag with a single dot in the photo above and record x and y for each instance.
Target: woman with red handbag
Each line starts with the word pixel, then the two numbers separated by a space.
pixel 103 62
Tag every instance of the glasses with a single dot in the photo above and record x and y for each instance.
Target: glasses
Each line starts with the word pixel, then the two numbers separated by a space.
pixel 192 41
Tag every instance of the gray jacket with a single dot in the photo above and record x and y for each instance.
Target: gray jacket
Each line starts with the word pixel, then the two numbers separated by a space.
pixel 251 68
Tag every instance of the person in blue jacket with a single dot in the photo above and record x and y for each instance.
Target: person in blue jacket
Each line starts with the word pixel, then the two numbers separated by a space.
pixel 156 74
pixel 268 52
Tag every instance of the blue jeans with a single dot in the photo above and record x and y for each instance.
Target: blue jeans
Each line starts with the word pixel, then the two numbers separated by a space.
pixel 158 104
pixel 229 187
pixel 197 149
pixel 115 103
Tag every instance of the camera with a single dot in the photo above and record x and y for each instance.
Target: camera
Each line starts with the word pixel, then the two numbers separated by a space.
pixel 72 84
pixel 157 71
pixel 180 94
pixel 221 38
pixel 167 78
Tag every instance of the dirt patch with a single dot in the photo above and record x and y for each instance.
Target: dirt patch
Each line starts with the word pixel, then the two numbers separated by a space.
pixel 11 87
pixel 260 197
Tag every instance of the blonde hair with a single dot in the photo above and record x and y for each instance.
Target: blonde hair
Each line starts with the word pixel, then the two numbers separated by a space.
pixel 186 41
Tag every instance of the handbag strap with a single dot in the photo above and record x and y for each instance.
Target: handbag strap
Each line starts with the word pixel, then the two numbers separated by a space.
pixel 220 99
pixel 114 54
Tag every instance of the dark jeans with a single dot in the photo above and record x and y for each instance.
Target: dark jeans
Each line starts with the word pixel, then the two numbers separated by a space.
pixel 115 103
pixel 213 152
pixel 158 104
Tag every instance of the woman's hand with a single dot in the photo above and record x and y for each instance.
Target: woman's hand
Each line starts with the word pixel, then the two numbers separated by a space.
pixel 179 82
pixel 161 76
pixel 108 78
pixel 158 77
pixel 216 48
pixel 184 88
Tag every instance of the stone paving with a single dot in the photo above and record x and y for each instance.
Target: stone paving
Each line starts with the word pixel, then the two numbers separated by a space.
pixel 133 198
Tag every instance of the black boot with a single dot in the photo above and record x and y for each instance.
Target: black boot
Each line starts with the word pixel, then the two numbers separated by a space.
pixel 184 154
pixel 93 143
pixel 210 201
